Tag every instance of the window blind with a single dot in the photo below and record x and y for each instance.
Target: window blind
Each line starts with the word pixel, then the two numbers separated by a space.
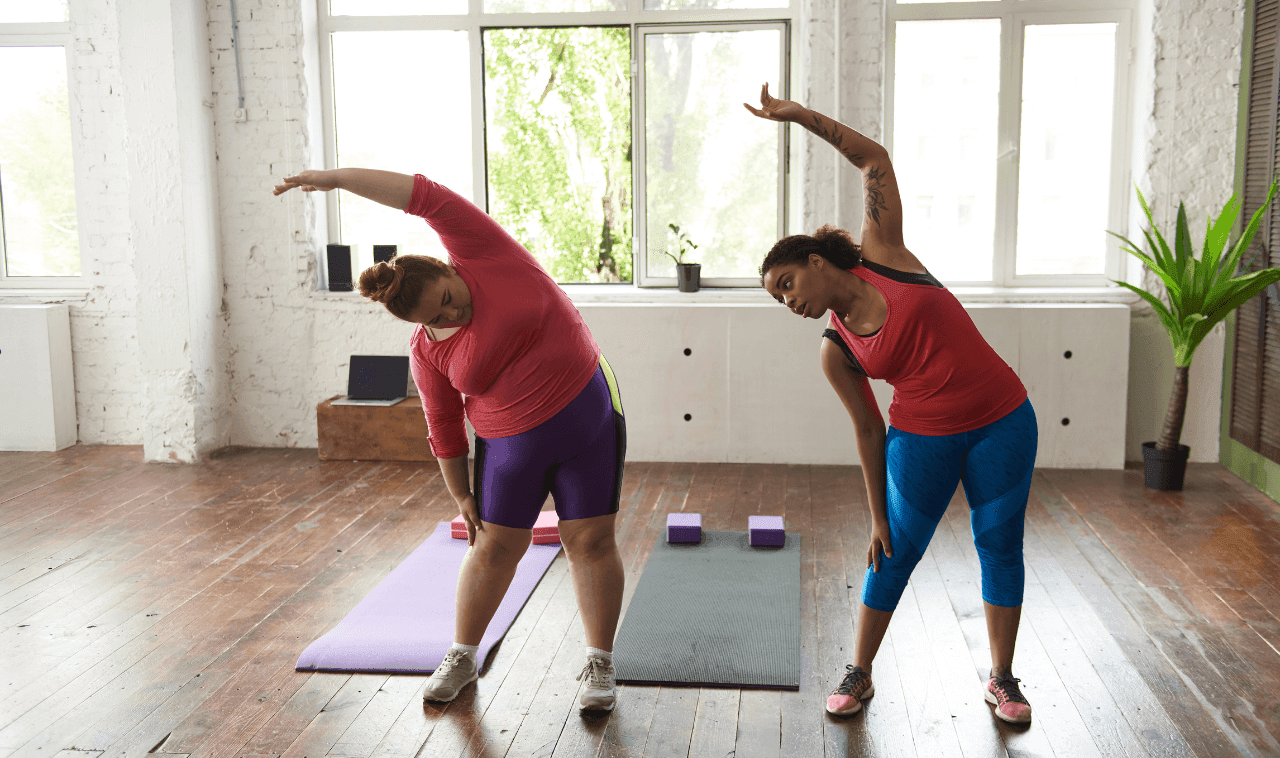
pixel 1255 379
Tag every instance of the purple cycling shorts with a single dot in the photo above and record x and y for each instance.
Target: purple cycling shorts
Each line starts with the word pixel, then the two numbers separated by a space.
pixel 575 456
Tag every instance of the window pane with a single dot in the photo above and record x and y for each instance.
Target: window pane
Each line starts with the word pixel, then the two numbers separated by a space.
pixel 396 7
pixel 552 6
pixel 711 168
pixel 946 104
pixel 33 11
pixel 654 5
pixel 37 186
pixel 424 128
pixel 558 141
pixel 1064 176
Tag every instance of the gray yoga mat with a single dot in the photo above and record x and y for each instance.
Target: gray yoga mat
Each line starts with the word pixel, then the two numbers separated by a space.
pixel 720 613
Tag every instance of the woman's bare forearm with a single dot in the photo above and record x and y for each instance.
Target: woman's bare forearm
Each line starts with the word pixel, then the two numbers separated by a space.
pixel 871 453
pixel 858 148
pixel 386 187
pixel 455 475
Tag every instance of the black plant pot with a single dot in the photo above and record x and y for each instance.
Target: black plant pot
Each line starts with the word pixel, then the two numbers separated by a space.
pixel 1164 469
pixel 688 275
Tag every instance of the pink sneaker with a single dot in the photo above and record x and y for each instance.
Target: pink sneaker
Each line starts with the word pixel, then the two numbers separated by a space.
pixel 1010 705
pixel 856 687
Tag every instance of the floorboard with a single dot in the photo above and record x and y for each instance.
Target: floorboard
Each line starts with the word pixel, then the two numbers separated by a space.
pixel 153 608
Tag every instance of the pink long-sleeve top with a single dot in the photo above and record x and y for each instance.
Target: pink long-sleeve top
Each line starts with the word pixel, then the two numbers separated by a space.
pixel 525 354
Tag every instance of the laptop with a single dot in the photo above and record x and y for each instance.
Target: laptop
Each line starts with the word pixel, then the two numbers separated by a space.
pixel 376 380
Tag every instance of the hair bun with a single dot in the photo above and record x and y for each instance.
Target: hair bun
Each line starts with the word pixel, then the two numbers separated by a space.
pixel 387 280
pixel 839 244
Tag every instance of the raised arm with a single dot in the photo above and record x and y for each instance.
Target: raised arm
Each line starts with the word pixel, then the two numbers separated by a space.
pixel 386 187
pixel 882 223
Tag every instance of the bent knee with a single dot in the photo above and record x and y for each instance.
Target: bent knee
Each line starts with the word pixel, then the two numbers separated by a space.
pixel 593 545
pixel 492 551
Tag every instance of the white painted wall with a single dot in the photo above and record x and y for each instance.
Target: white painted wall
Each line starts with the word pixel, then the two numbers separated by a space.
pixel 284 347
pixel 756 394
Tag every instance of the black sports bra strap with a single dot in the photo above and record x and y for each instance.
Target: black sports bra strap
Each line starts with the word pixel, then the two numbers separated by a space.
pixel 835 337
pixel 901 276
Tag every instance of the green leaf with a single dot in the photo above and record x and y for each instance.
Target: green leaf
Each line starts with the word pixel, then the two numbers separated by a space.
pixel 1242 290
pixel 1162 252
pixel 1170 325
pixel 1246 238
pixel 1151 243
pixel 1161 259
pixel 1169 281
pixel 1218 234
pixel 1238 291
pixel 1164 267
pixel 1182 248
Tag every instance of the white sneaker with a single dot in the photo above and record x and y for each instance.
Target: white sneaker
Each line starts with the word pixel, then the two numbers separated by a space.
pixel 457 670
pixel 601 692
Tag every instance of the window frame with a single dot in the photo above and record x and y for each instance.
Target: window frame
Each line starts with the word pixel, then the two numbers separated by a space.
pixel 1015 16
pixel 50 34
pixel 475 22
pixel 639 141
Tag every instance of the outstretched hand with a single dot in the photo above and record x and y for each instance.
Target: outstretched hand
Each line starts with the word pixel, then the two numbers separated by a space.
pixel 773 109
pixel 309 181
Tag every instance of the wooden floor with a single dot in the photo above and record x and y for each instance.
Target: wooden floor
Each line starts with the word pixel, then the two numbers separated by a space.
pixel 151 608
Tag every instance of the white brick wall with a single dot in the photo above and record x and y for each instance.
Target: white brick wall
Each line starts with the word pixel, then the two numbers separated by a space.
pixel 104 335
pixel 288 346
pixel 1185 116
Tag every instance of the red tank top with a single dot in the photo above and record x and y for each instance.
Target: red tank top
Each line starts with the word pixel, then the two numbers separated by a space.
pixel 946 378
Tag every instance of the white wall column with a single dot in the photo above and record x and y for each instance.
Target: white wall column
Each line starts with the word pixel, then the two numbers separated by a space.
pixel 172 181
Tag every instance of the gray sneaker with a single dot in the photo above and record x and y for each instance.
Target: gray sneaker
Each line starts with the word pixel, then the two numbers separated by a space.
pixel 456 671
pixel 601 692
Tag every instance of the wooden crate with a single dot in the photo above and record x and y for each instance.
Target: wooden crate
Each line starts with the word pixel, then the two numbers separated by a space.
pixel 373 432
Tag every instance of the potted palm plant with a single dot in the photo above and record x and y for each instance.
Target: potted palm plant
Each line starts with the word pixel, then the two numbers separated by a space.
pixel 687 274
pixel 1201 293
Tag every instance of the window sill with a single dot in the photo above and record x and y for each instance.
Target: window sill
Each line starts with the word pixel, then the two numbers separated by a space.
pixel 612 293
pixel 16 296
pixel 969 295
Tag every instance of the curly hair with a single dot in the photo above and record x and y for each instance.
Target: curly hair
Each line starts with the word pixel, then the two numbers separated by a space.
pixel 831 242
pixel 399 284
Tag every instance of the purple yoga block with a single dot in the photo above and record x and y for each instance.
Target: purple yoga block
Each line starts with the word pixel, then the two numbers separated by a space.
pixel 684 527
pixel 766 531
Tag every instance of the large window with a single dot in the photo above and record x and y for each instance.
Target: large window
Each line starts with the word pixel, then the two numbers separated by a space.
pixel 39 239
pixel 587 128
pixel 1007 129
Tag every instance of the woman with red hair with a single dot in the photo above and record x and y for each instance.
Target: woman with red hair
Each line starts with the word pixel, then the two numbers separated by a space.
pixel 498 342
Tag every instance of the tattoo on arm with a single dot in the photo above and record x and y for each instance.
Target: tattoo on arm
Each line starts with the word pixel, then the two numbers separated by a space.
pixel 831 133
pixel 873 188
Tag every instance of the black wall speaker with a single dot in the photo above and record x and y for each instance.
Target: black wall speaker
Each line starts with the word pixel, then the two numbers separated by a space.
pixel 339 268
pixel 383 253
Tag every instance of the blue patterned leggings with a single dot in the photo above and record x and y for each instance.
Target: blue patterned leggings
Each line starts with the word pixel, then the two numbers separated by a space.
pixel 994 462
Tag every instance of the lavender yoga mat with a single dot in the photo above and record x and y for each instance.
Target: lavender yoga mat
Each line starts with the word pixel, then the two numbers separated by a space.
pixel 406 623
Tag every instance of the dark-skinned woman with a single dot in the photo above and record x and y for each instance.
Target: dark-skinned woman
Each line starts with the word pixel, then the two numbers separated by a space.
pixel 959 412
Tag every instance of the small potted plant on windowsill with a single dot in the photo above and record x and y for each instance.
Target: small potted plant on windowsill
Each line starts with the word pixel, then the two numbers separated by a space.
pixel 687 274
pixel 1201 293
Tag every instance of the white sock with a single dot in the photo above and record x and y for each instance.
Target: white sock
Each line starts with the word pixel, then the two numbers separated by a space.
pixel 470 650
pixel 597 652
